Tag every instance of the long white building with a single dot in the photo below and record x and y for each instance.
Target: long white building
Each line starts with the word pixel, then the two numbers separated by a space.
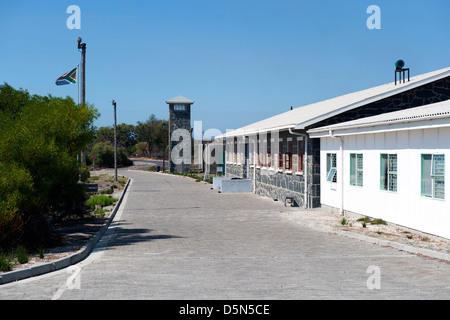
pixel 393 166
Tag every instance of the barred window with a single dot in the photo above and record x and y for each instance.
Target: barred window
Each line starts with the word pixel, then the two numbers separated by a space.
pixel 331 167
pixel 433 176
pixel 388 172
pixel 356 169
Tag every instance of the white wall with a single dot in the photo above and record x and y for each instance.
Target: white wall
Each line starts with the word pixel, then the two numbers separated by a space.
pixel 405 207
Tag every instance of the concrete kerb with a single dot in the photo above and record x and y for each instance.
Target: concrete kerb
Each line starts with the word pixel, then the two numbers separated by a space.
pixel 66 261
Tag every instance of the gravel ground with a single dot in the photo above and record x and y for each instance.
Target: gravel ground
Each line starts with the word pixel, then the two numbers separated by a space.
pixel 326 220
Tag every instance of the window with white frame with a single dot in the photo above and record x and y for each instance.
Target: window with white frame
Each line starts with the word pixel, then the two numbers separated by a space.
pixel 331 167
pixel 388 172
pixel 433 176
pixel 356 169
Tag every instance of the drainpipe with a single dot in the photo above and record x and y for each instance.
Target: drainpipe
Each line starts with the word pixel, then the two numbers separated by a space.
pixel 305 167
pixel 341 151
pixel 254 161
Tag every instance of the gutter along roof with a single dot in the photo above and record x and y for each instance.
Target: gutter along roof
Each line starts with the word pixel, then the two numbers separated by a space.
pixel 302 117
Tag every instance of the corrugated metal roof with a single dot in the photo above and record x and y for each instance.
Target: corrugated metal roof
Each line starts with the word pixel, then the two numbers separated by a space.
pixel 428 112
pixel 179 100
pixel 301 117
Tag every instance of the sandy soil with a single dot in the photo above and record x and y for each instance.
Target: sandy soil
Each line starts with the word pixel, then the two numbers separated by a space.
pixel 322 219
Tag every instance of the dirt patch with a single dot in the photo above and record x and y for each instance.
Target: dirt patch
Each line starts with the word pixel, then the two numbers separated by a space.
pixel 326 220
pixel 71 236
pixel 106 183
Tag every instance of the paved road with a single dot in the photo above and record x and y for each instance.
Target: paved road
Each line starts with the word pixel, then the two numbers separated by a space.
pixel 178 239
pixel 150 163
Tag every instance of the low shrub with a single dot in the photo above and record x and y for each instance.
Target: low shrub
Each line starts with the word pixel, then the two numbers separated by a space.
pixel 100 200
pixel 5 262
pixel 84 173
pixel 372 221
pixel 105 155
pixel 21 254
pixel 378 221
pixel 41 253
pixel 100 213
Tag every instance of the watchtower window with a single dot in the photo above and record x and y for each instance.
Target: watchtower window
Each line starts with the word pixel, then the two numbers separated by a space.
pixel 179 107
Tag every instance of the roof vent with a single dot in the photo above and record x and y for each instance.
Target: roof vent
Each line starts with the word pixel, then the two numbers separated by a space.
pixel 400 69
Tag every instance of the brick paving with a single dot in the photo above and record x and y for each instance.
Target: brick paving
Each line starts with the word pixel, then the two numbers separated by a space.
pixel 178 239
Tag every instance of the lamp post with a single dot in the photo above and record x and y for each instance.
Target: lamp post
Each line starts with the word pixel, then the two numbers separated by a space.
pixel 115 142
pixel 82 46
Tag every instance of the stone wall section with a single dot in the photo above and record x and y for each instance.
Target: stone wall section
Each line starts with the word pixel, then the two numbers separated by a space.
pixel 178 120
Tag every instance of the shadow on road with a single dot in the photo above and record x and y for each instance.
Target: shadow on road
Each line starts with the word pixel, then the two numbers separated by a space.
pixel 124 236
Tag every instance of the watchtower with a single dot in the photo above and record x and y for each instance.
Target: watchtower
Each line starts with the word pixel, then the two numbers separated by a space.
pixel 180 140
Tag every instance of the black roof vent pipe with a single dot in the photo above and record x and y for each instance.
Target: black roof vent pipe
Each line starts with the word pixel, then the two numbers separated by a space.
pixel 400 69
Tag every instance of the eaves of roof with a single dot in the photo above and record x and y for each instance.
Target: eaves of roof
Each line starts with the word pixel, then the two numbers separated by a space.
pixel 436 114
pixel 302 117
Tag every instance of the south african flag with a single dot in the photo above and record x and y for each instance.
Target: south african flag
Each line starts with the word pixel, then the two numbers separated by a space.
pixel 67 78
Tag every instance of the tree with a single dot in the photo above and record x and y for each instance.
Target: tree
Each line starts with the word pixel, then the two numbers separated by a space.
pixel 126 137
pixel 104 153
pixel 41 137
pixel 142 149
pixel 155 132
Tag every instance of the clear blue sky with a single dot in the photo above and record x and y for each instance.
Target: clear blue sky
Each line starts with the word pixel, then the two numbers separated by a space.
pixel 240 61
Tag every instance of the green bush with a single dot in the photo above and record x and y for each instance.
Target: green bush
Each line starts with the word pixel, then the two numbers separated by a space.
pixel 41 138
pixel 378 221
pixel 372 221
pixel 104 153
pixel 142 149
pixel 101 200
pixel 21 254
pixel 84 173
pixel 16 196
pixel 5 263
pixel 100 213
